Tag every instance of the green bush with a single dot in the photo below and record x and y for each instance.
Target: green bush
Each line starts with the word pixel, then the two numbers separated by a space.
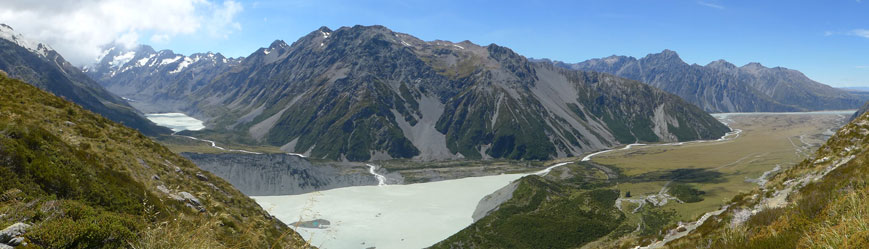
pixel 686 193
pixel 81 226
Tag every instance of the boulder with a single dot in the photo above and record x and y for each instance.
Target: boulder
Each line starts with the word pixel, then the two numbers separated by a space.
pixel 13 231
pixel 201 176
pixel 192 199
pixel 16 241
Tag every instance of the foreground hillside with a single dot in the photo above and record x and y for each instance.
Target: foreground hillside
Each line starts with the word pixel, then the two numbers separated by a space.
pixel 367 93
pixel 41 66
pixel 73 179
pixel 723 87
pixel 819 203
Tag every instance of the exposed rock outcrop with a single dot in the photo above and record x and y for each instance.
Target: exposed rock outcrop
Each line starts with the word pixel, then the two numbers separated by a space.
pixel 281 174
pixel 492 201
pixel 11 235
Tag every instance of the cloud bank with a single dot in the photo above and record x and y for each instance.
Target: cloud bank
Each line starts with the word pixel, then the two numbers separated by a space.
pixel 78 29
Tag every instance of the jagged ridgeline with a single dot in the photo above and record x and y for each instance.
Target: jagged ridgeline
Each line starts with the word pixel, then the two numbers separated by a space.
pixel 366 93
pixel 723 87
pixel 80 180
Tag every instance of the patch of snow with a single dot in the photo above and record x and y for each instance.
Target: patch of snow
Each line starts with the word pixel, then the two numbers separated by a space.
pixel 460 47
pixel 9 34
pixel 266 51
pixel 325 34
pixel 405 43
pixel 186 62
pixel 141 62
pixel 122 59
pixel 103 55
pixel 170 60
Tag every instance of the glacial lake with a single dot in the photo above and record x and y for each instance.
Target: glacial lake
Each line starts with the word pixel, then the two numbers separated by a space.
pixel 385 217
pixel 176 121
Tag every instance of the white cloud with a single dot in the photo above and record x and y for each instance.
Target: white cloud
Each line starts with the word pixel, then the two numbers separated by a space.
pixel 160 38
pixel 221 22
pixel 861 33
pixel 77 29
pixel 711 5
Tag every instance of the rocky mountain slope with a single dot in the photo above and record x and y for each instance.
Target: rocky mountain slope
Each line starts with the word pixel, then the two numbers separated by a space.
pixel 723 87
pixel 38 64
pixel 366 93
pixel 74 179
pixel 156 81
pixel 279 174
pixel 860 111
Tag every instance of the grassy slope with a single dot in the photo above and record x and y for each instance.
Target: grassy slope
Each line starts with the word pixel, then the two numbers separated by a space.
pixel 543 214
pixel 84 182
pixel 828 213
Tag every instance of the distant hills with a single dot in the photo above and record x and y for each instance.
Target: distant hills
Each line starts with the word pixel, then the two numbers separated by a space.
pixel 365 92
pixel 855 88
pixel 723 87
pixel 38 64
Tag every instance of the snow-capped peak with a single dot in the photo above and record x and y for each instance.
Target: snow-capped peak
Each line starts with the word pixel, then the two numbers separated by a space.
pixel 9 34
pixel 103 55
pixel 186 62
pixel 122 59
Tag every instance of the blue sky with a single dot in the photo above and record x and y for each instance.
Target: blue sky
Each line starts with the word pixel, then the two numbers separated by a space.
pixel 827 40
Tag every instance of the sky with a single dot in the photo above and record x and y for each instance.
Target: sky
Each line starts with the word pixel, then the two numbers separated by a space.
pixel 826 40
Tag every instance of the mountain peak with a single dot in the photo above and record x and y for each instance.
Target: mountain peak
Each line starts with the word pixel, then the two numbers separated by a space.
pixel 7 33
pixel 324 29
pixel 666 55
pixel 278 44
pixel 754 66
pixel 721 64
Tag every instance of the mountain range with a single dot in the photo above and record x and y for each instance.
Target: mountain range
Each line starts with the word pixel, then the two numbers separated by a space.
pixel 365 92
pixel 39 65
pixel 156 81
pixel 721 86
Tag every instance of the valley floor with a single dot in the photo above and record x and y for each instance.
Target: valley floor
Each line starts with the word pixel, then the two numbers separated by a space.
pixel 418 215
pixel 767 143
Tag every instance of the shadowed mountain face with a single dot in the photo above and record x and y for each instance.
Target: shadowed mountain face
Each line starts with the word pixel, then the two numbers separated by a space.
pixel 722 87
pixel 39 65
pixel 367 92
